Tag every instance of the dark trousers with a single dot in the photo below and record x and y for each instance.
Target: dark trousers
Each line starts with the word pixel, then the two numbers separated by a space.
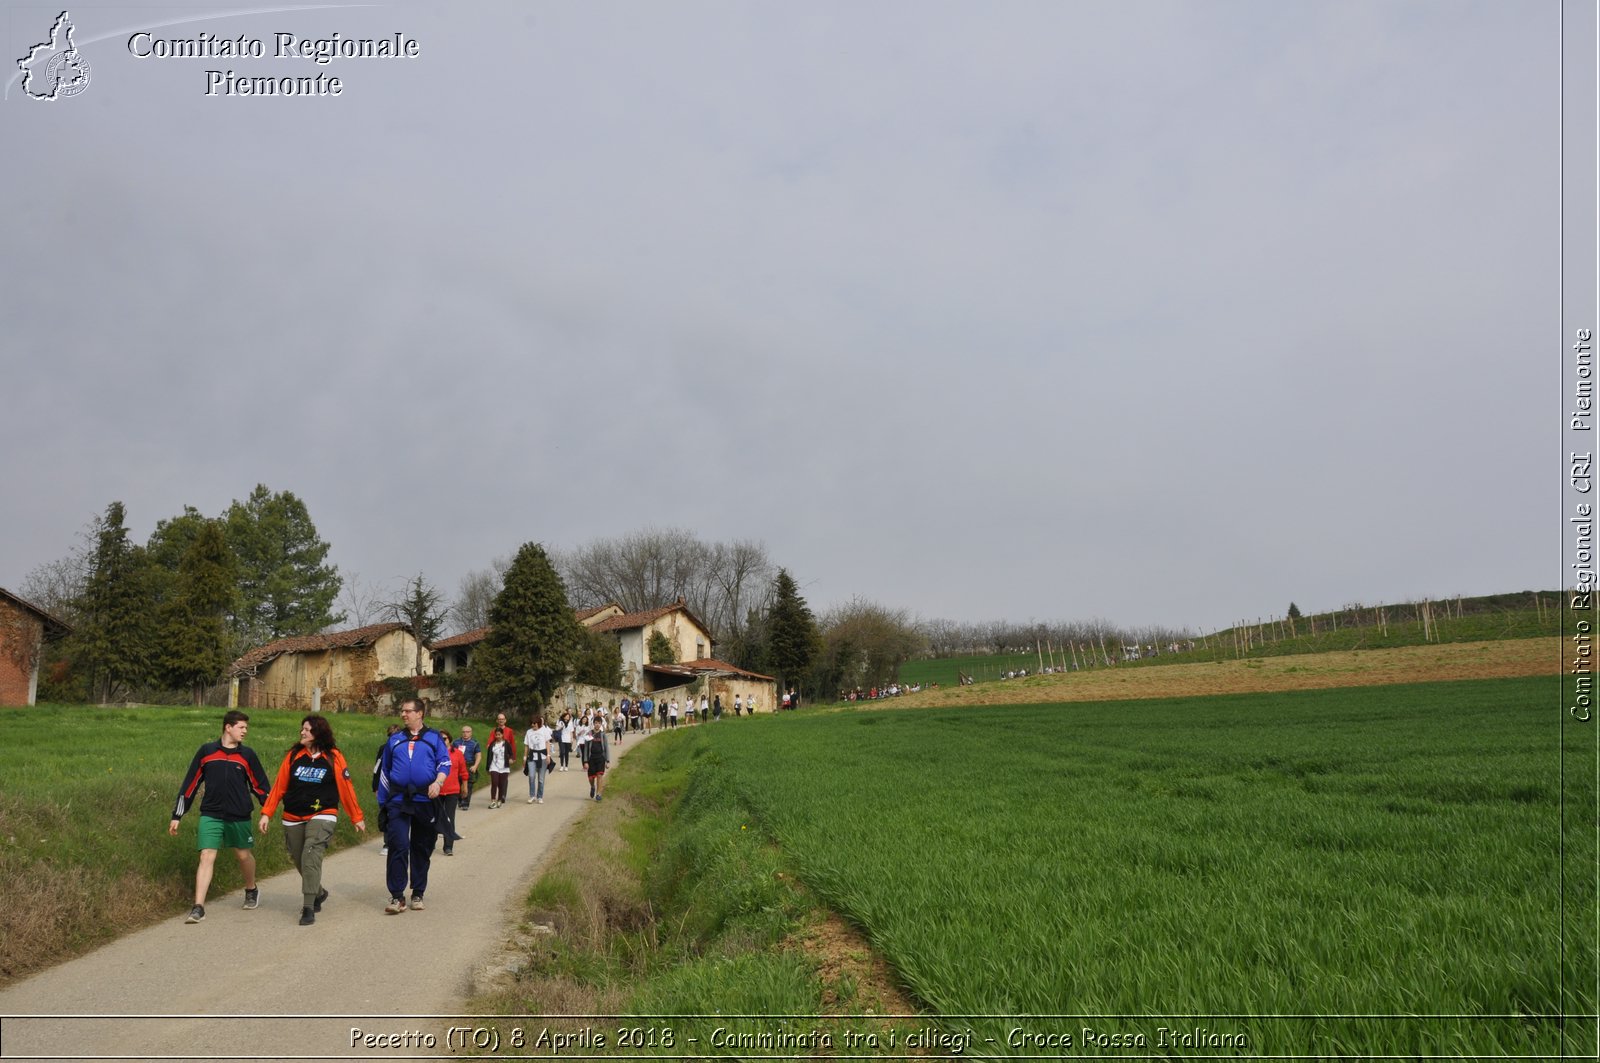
pixel 411 833
pixel 447 819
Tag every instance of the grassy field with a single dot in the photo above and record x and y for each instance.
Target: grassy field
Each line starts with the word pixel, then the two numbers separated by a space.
pixel 88 792
pixel 1357 858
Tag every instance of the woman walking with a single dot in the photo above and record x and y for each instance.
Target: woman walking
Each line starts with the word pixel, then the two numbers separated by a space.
pixel 499 768
pixel 537 745
pixel 450 793
pixel 313 782
pixel 569 733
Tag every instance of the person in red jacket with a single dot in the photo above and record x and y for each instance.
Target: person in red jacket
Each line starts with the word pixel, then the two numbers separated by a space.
pixel 450 793
pixel 313 783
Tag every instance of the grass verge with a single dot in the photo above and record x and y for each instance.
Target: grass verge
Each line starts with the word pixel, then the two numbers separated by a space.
pixel 669 905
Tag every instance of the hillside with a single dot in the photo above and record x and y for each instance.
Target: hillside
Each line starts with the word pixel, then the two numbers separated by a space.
pixel 1405 664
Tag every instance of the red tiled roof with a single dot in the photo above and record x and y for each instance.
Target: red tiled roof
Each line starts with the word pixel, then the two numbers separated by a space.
pixel 629 621
pixel 360 636
pixel 624 622
pixel 466 638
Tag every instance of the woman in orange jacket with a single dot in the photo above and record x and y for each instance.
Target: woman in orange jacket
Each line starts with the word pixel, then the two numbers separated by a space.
pixel 313 782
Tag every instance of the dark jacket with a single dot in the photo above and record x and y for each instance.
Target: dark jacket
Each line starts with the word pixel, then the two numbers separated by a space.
pixel 231 776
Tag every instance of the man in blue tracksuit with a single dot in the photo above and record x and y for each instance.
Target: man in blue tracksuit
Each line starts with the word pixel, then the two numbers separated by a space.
pixel 415 762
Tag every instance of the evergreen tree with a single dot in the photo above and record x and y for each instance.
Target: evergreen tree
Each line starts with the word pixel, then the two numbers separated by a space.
pixel 791 632
pixel 193 621
pixel 533 637
pixel 111 644
pixel 420 610
pixel 1294 611
pixel 660 649
pixel 599 660
pixel 285 585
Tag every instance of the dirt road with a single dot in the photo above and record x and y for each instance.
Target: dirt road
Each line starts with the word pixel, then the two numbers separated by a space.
pixel 232 986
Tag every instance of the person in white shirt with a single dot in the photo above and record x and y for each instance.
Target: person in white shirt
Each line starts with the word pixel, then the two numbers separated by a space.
pixel 585 729
pixel 569 735
pixel 536 744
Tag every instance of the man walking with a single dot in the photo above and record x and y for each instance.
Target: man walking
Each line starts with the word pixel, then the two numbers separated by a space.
pixel 232 776
pixel 472 753
pixel 414 765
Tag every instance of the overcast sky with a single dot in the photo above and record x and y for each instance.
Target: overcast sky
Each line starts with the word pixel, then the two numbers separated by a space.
pixel 1157 312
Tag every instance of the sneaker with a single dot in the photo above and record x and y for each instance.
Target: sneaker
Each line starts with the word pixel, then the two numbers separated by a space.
pixel 531 800
pixel 322 895
pixel 307 917
pixel 383 850
pixel 541 800
pixel 449 852
pixel 252 898
pixel 197 913
pixel 395 906
pixel 416 902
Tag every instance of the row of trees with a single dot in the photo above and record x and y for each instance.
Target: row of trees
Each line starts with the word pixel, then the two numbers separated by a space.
pixel 949 638
pixel 172 612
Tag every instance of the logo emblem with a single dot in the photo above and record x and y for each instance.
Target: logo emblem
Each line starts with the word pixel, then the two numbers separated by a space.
pixel 55 69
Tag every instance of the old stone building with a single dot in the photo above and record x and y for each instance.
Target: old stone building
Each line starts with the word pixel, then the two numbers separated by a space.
pixel 331 671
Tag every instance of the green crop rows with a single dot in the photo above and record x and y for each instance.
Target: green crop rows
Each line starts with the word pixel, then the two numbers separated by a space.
pixel 1380 865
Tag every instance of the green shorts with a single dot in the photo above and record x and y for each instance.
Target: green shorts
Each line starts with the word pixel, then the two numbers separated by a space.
pixel 225 834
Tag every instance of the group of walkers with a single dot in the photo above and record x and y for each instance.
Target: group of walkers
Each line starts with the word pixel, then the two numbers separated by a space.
pixel 313 784
pixel 422 776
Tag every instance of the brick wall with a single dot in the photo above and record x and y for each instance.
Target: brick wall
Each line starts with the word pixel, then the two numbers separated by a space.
pixel 21 634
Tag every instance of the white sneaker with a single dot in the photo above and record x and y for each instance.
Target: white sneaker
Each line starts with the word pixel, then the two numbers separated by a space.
pixel 530 800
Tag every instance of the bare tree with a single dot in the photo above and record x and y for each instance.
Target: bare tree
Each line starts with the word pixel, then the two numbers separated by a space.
pixel 56 586
pixel 470 610
pixel 721 583
pixel 361 603
pixel 864 643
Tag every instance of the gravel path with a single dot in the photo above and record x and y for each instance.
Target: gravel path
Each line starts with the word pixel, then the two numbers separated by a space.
pixel 229 987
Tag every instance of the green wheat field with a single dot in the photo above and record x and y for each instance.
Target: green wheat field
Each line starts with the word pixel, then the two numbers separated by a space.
pixel 1374 871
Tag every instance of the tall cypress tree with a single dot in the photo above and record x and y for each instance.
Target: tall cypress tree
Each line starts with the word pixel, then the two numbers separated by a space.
pixel 195 642
pixel 533 636
pixel 791 632
pixel 111 646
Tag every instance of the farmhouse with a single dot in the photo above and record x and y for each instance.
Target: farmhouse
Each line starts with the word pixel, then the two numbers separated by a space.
pixel 24 627
pixel 688 636
pixel 454 654
pixel 332 670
